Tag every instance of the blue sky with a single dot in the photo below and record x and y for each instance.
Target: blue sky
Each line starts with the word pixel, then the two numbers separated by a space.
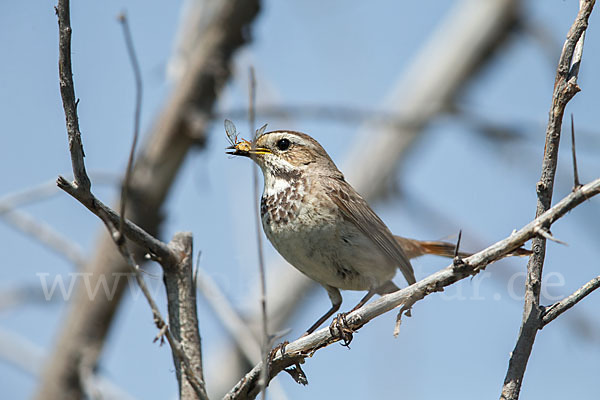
pixel 308 53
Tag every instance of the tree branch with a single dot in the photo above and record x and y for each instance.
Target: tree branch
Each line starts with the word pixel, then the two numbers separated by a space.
pixel 137 74
pixel 171 256
pixel 28 357
pixel 46 235
pixel 183 316
pixel 87 322
pixel 426 88
pixel 234 324
pixel 297 351
pixel 180 358
pixel 158 249
pixel 550 313
pixel 67 92
pixel 565 87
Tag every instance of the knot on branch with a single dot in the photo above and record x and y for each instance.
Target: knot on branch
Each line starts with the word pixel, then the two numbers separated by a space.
pixel 540 188
pixel 460 266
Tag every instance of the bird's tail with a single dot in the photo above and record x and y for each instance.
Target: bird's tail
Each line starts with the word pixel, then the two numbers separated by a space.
pixel 415 248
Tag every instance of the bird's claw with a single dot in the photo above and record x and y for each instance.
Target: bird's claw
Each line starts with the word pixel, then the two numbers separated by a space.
pixel 339 329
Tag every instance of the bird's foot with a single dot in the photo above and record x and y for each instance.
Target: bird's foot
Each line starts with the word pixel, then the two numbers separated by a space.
pixel 339 329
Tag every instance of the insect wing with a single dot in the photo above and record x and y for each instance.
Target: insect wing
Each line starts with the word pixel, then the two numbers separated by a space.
pixel 231 132
pixel 260 131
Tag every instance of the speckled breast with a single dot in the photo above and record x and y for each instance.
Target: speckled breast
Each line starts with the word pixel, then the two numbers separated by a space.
pixel 280 208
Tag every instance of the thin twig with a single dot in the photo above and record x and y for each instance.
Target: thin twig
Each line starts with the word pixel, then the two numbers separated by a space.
pixel 180 292
pixel 353 116
pixel 46 235
pixel 299 350
pixel 576 182
pixel 163 327
pixel 565 87
pixel 136 119
pixel 29 357
pixel 556 309
pixel 25 294
pixel 261 258
pixel 496 131
pixel 45 190
pixel 235 325
pixel 158 249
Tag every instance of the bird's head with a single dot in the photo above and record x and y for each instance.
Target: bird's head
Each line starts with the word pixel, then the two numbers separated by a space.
pixel 286 152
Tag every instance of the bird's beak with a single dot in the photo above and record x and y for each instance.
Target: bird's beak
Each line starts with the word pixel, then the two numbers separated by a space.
pixel 244 148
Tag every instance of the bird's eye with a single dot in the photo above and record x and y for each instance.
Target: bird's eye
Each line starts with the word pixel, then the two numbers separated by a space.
pixel 283 144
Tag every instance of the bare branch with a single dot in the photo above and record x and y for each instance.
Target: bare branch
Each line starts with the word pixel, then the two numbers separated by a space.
pixel 46 235
pixel 233 322
pixel 45 190
pixel 167 258
pixel 136 119
pixel 429 86
pixel 87 322
pixel 26 293
pixel 182 362
pixel 67 91
pixel 556 309
pixel 28 357
pixel 426 88
pixel 261 259
pixel 183 316
pixel 158 249
pixel 565 87
pixel 299 350
pixel 184 297
pixel 184 334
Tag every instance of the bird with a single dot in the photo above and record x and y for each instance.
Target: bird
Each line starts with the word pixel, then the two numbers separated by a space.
pixel 321 225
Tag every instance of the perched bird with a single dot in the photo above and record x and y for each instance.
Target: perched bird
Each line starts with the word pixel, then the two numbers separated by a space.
pixel 321 225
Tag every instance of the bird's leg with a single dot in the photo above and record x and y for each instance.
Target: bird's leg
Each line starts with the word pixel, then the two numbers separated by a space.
pixel 336 302
pixel 339 326
pixel 364 300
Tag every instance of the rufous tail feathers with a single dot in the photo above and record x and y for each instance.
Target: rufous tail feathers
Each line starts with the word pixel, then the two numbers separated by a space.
pixel 415 248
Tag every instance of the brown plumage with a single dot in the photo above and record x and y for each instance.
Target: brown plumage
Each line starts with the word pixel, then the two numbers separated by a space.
pixel 322 226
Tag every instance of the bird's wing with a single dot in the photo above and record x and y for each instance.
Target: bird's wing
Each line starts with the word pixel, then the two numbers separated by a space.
pixel 356 210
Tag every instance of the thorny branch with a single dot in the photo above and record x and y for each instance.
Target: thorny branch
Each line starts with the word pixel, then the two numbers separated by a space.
pixel 427 87
pixel 565 87
pixel 297 351
pixel 355 320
